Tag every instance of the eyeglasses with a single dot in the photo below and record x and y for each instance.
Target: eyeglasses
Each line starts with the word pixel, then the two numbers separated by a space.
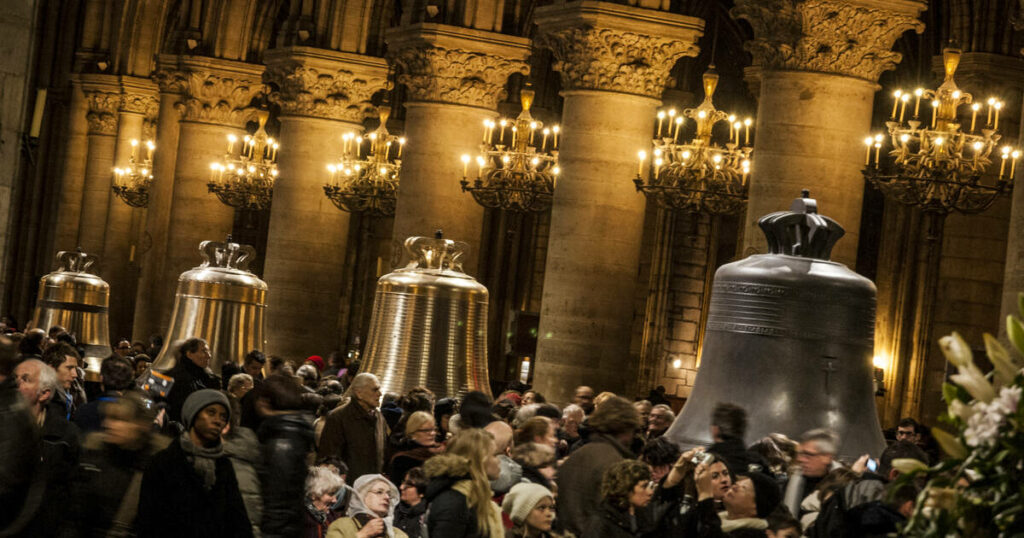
pixel 426 430
pixel 381 492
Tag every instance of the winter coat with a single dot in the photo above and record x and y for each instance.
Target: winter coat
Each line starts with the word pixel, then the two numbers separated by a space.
pixel 348 527
pixel 243 449
pixel 105 491
pixel 188 378
pixel 611 522
pixel 88 417
pixel 736 456
pixel 704 522
pixel 449 514
pixel 316 523
pixel 408 455
pixel 173 502
pixel 357 436
pixel 579 480
pixel 19 458
pixel 410 518
pixel 60 451
pixel 285 444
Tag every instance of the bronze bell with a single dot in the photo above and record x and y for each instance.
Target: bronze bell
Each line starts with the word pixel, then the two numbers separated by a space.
pixel 789 337
pixel 77 300
pixel 429 324
pixel 221 302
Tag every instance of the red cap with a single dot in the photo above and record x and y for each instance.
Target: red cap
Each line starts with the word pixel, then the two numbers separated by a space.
pixel 317 361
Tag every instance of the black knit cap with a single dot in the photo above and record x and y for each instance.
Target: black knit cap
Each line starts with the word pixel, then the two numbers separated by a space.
pixel 766 492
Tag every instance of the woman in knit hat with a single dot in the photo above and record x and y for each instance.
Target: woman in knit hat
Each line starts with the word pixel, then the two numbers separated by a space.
pixel 372 511
pixel 531 507
pixel 189 488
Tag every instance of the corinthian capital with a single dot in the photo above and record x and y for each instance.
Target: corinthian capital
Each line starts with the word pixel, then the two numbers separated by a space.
pixel 103 98
pixel 461 66
pixel 139 96
pixel 324 84
pixel 616 48
pixel 216 91
pixel 843 37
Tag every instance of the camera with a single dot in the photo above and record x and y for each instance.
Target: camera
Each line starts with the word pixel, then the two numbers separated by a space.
pixel 701 457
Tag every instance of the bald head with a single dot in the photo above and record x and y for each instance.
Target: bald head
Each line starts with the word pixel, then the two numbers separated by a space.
pixel 502 433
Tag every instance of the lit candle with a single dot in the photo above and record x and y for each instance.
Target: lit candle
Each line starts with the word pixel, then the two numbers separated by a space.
pixel 515 133
pixel 533 128
pixel 896 102
pixel 878 148
pixel 974 114
pixel 151 146
pixel 401 144
pixel 671 118
pixel 661 118
pixel 917 102
pixel 501 137
pixel 746 131
pixel 867 153
pixel 479 166
pixel 657 167
pixel 465 166
pixel 1002 166
pixel 679 124
pixel 998 106
pixel 903 105
pixel 991 101
pixel 640 167
pixel 554 132
pixel 736 127
pixel 486 123
pixel 544 138
pixel 359 146
pixel 135 149
pixel 935 111
pixel 1013 164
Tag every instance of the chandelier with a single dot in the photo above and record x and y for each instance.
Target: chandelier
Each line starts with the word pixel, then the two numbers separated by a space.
pixel 698 176
pixel 367 183
pixel 131 183
pixel 519 175
pixel 246 181
pixel 938 166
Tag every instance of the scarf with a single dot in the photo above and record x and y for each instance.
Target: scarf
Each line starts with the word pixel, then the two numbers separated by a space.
pixel 730 525
pixel 495 525
pixel 203 460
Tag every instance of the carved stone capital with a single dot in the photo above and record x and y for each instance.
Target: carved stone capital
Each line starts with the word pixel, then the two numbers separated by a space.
pixel 218 91
pixel 446 64
pixel 139 96
pixel 841 37
pixel 103 99
pixel 324 84
pixel 170 79
pixel 616 48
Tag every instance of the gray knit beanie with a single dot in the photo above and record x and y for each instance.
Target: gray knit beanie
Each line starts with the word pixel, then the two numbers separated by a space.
pixel 522 499
pixel 199 400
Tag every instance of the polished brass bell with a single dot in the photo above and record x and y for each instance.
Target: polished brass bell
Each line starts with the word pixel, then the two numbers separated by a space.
pixel 789 337
pixel 77 300
pixel 428 327
pixel 221 302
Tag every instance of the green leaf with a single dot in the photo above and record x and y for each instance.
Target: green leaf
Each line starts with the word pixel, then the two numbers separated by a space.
pixel 949 393
pixel 950 445
pixel 1015 332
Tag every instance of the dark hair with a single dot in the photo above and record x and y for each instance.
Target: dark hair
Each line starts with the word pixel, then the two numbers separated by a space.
pixel 781 519
pixel 900 494
pixel 330 387
pixel 117 373
pixel 774 455
pixel 7 357
pixel 908 421
pixel 531 429
pixel 329 402
pixel 619 480
pixel 67 338
pixel 337 462
pixel 353 367
pixel 898 450
pixel 55 330
pixel 417 479
pixel 255 355
pixel 142 357
pixel 443 407
pixel 282 393
pixel 505 409
pixel 424 392
pixel 476 410
pixel 660 451
pixel 32 342
pixel 55 355
pixel 191 345
pixel 549 410
pixel 537 397
pixel 276 363
pixel 615 416
pixel 731 420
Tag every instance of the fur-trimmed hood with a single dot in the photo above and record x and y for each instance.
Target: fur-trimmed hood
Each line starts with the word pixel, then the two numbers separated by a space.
pixel 446 465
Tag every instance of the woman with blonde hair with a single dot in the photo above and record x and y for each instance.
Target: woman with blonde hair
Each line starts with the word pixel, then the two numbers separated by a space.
pixel 459 491
pixel 419 444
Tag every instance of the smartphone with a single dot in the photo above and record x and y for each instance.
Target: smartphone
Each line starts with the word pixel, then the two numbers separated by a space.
pixel 872 465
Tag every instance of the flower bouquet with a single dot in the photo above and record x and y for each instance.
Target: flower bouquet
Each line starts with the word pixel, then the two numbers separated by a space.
pixel 978 491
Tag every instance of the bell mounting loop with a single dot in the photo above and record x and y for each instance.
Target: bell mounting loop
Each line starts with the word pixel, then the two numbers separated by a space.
pixel 435 253
pixel 227 254
pixel 801 231
pixel 75 261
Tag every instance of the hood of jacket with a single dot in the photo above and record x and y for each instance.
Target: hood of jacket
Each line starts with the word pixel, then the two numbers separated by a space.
pixel 444 471
pixel 357 506
pixel 730 525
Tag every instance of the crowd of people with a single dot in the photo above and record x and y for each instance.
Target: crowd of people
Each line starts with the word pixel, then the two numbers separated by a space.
pixel 275 449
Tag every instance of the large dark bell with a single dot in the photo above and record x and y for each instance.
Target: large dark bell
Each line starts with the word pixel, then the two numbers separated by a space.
pixel 789 337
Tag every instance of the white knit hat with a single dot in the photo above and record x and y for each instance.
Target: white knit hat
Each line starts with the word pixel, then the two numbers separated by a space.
pixel 522 499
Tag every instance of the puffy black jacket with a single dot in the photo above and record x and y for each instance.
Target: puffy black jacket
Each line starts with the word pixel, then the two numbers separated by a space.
pixel 449 514
pixel 285 443
pixel 188 378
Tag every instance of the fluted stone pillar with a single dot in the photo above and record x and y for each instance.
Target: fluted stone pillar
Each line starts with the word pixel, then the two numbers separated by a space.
pixel 216 103
pixel 153 298
pixel 614 62
pixel 117 263
pixel 818 63
pixel 323 95
pixel 455 78
pixel 69 208
pixel 103 98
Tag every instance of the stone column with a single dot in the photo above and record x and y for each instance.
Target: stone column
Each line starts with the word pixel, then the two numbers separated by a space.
pixel 118 264
pixel 69 208
pixel 322 94
pixel 455 78
pixel 216 103
pixel 819 62
pixel 103 98
pixel 614 62
pixel 153 298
